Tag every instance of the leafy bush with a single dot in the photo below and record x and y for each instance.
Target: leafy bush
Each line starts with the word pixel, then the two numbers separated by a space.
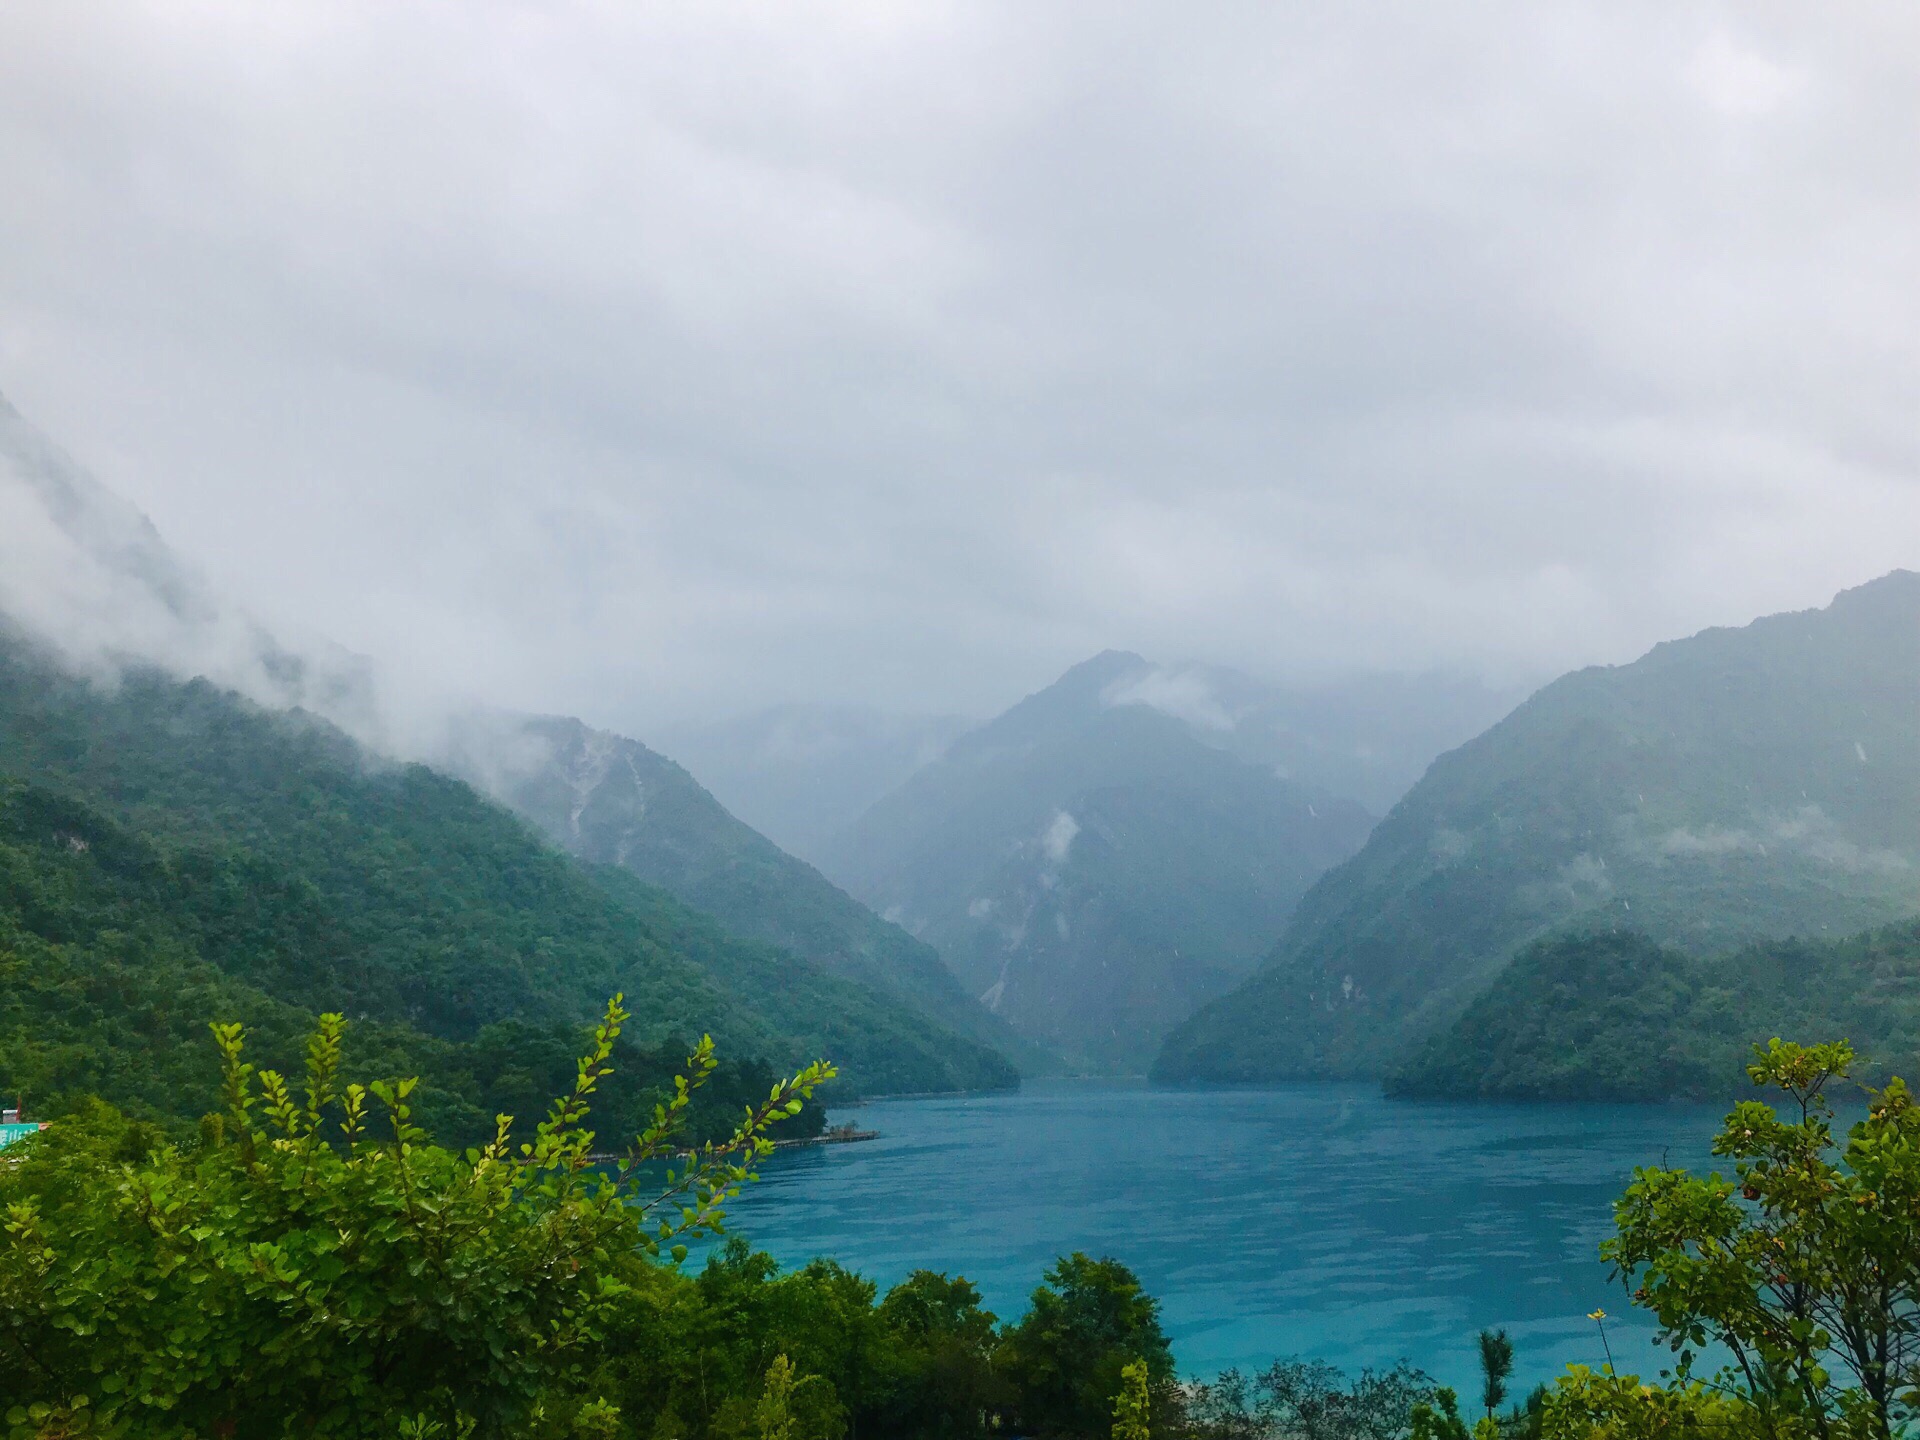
pixel 1804 1268
pixel 291 1274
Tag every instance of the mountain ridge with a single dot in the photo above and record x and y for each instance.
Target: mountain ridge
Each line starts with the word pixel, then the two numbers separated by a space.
pixel 1739 784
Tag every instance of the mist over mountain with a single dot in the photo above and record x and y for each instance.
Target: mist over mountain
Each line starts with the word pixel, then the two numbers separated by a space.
pixel 1090 867
pixel 86 574
pixel 1740 785
pixel 1368 737
pixel 800 773
pixel 91 590
pixel 1104 578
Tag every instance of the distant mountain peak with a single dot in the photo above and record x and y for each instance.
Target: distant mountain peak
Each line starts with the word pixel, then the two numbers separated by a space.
pixel 1098 669
pixel 1090 864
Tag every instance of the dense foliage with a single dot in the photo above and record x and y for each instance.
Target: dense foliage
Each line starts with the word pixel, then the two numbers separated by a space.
pixel 291 1273
pixel 103 993
pixel 296 864
pixel 1738 786
pixel 303 1267
pixel 1620 1017
pixel 1801 1272
pixel 1064 1359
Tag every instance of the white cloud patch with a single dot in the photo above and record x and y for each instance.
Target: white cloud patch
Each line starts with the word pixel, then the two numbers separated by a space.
pixel 1057 839
pixel 1186 694
pixel 1738 80
pixel 1585 877
pixel 85 574
pixel 1709 840
pixel 1808 831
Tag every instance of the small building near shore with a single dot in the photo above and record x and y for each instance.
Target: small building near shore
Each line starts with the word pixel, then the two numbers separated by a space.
pixel 13 1128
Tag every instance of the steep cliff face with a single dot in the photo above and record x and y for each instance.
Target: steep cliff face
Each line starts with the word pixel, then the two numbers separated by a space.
pixel 1739 785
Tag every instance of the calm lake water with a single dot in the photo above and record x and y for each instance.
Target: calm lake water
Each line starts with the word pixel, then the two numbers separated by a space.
pixel 1316 1220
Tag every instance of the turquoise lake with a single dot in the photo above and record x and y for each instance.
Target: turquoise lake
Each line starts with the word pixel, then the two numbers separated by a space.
pixel 1314 1220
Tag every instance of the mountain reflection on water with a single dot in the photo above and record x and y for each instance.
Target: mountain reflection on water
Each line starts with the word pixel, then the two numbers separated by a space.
pixel 1317 1220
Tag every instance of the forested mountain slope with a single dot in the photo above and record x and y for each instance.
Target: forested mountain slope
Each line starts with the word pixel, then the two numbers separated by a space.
pixel 1090 868
pixel 105 992
pixel 1739 785
pixel 1620 1017
pixel 325 878
pixel 614 802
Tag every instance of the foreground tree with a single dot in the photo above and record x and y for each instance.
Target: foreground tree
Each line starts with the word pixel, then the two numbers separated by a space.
pixel 294 1275
pixel 1496 1365
pixel 1088 1321
pixel 1804 1268
pixel 936 1372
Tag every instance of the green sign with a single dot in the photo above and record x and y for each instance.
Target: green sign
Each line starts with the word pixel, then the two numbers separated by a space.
pixel 11 1133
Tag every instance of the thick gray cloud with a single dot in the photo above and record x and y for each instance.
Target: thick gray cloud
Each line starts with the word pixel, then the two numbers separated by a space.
pixel 640 361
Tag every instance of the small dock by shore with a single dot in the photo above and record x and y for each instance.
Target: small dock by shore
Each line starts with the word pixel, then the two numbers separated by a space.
pixel 832 1135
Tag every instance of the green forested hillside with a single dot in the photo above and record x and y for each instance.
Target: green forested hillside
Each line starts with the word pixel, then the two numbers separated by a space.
pixel 316 876
pixel 1619 1016
pixel 104 992
pixel 1090 867
pixel 1739 785
pixel 614 802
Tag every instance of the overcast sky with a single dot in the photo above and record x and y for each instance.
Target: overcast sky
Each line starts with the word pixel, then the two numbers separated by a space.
pixel 647 361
